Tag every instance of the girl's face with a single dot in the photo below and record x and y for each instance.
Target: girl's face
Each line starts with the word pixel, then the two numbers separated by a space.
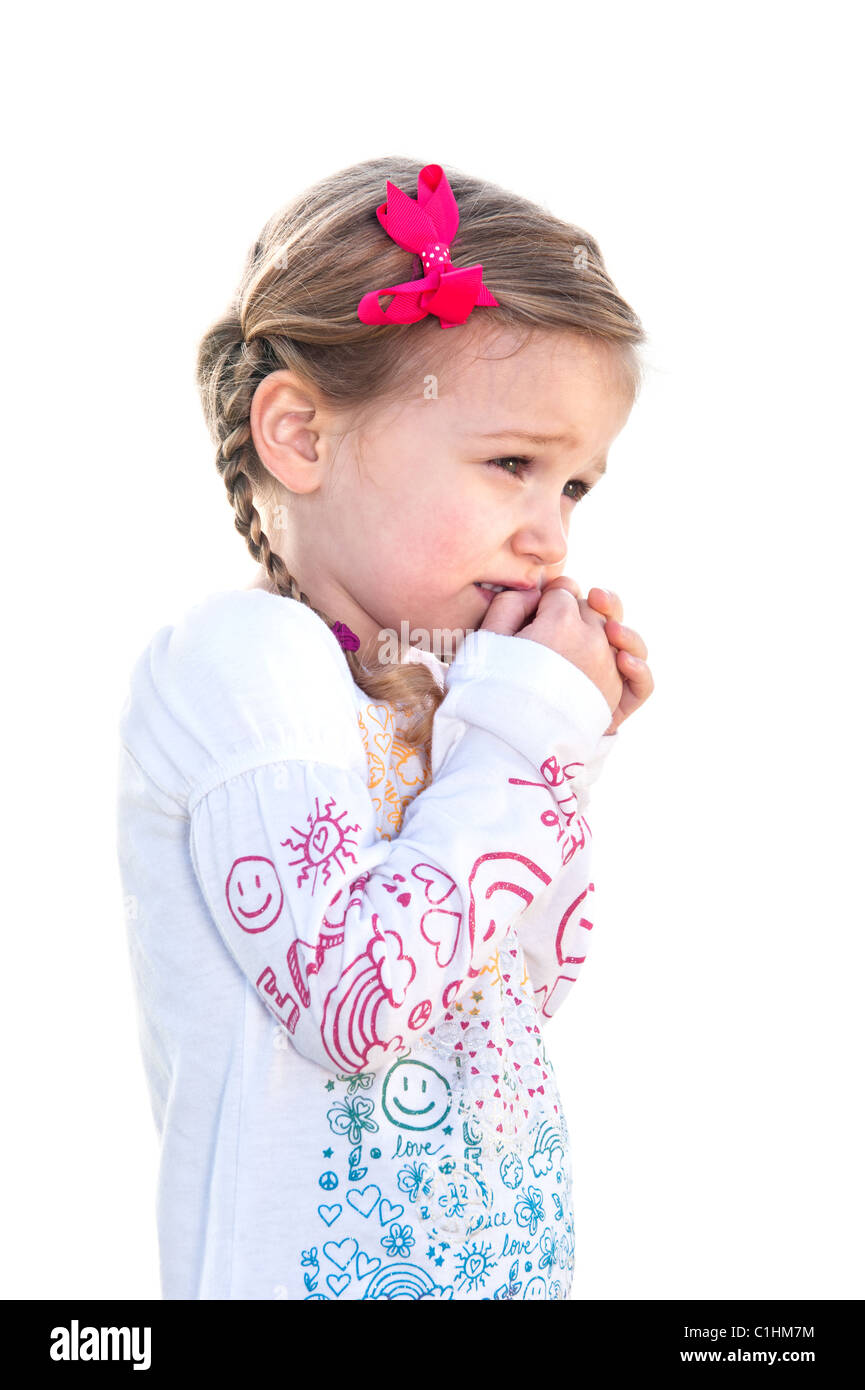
pixel 416 512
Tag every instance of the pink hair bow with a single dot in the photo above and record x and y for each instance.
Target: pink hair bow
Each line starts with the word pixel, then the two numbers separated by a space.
pixel 426 227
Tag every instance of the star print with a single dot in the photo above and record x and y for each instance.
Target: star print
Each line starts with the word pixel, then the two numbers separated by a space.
pixel 477 996
pixel 330 1085
pixel 474 1011
pixel 448 1129
pixel 444 1245
pixel 440 1261
pixel 328 1153
pixel 431 1252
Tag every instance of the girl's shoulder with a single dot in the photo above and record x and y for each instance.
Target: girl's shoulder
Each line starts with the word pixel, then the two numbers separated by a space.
pixel 242 677
pixel 254 648
pixel 263 628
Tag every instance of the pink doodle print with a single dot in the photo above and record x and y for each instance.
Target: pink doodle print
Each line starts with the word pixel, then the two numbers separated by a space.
pixel 327 840
pixel 449 993
pixel 523 878
pixel 556 775
pixel 420 1015
pixel 253 893
pixel 282 1006
pixel 571 942
pixel 440 926
pixel 381 975
pixel 545 997
pixel 403 895
pixel 305 958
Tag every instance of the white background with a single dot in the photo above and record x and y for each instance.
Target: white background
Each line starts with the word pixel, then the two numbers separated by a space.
pixel 711 1055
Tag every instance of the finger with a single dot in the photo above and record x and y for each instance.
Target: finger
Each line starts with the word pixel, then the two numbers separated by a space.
pixel 607 602
pixel 590 614
pixel 637 674
pixel 554 594
pixel 561 596
pixel 563 581
pixel 509 610
pixel 626 639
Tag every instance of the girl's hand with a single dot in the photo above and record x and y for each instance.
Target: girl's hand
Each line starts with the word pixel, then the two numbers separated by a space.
pixel 631 650
pixel 573 629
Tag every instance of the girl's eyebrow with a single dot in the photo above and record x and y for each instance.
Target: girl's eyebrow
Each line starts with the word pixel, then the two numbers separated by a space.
pixel 530 438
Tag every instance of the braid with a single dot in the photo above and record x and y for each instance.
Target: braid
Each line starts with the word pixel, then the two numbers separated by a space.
pixel 244 365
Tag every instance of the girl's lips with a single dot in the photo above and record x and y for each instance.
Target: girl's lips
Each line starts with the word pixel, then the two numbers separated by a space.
pixel 490 594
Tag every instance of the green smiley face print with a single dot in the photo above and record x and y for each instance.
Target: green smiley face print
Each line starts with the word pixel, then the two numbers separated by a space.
pixel 415 1096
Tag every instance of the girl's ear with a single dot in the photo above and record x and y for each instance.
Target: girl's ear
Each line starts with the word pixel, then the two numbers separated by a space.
pixel 281 418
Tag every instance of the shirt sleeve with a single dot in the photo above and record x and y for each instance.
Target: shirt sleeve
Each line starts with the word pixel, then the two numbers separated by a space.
pixel 353 942
pixel 555 932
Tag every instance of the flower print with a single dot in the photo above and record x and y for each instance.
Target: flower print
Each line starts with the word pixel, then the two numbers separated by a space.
pixel 415 1179
pixel 361 1081
pixel 548 1249
pixel 529 1210
pixel 453 1202
pixel 399 1241
pixel 352 1117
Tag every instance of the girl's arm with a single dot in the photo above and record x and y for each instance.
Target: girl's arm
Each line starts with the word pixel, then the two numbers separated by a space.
pixel 556 929
pixel 358 944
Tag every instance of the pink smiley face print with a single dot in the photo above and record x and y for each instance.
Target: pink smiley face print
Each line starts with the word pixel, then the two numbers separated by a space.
pixel 254 893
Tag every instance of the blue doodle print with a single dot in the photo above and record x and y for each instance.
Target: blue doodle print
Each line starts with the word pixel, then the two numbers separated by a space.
pixel 352 1118
pixel 511 1170
pixel 474 1263
pixel 512 1288
pixel 356 1174
pixel 362 1081
pixel 415 1180
pixel 398 1242
pixel 529 1210
pixel 549 1249
pixel 406 1282
pixel 548 1141
pixel 309 1259
pixel 454 1200
pixel 472 1197
pixel 415 1096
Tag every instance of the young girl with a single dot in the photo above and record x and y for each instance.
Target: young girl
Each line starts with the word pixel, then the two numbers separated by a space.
pixel 352 797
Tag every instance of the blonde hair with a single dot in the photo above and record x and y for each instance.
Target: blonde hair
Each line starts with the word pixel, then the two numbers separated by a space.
pixel 296 308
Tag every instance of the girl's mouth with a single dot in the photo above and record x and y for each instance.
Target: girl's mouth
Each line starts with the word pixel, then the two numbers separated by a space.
pixel 489 593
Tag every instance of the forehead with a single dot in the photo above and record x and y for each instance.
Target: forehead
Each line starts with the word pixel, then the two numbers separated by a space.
pixel 550 382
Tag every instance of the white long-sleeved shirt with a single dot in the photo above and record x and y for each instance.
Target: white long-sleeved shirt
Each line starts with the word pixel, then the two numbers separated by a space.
pixel 343 958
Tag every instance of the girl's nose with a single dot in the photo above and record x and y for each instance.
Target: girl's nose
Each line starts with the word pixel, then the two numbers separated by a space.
pixel 544 537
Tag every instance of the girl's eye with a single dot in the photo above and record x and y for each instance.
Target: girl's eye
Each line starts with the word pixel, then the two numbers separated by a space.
pixel 522 463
